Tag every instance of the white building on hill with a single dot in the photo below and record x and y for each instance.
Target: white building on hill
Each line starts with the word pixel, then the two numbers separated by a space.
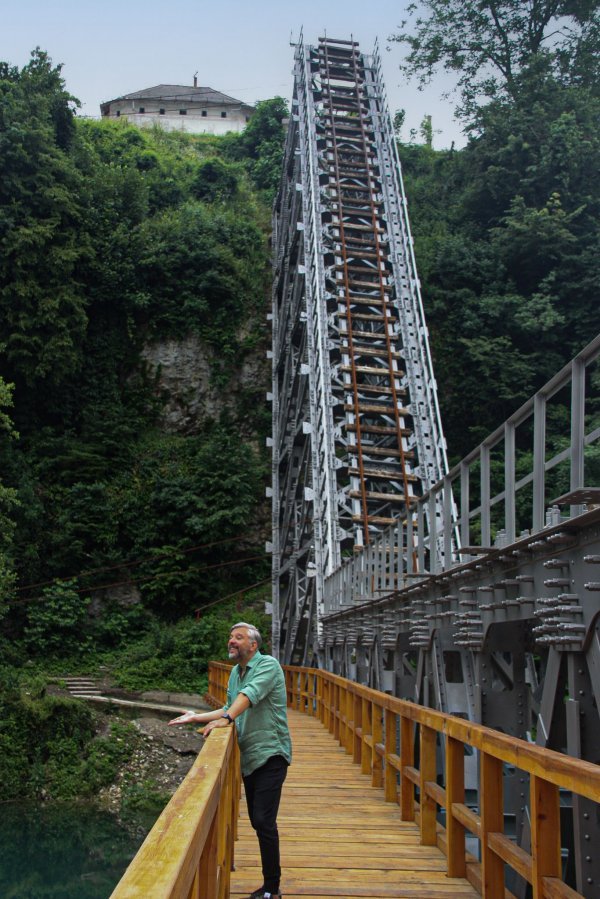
pixel 176 107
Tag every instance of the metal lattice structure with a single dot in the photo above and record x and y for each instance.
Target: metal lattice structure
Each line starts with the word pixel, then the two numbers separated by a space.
pixel 357 434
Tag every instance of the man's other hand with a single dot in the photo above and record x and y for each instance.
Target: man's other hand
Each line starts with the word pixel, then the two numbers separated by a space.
pixel 220 722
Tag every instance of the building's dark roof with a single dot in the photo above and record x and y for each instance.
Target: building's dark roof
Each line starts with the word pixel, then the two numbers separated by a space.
pixel 180 93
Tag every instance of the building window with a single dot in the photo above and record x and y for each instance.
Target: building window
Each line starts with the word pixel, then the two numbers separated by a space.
pixel 203 113
pixel 142 109
pixel 161 111
pixel 183 112
pixel 118 112
pixel 223 115
pixel 247 118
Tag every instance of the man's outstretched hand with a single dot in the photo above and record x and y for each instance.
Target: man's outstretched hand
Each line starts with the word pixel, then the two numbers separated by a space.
pixel 186 718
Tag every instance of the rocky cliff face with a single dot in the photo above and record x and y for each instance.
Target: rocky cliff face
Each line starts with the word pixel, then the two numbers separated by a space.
pixel 184 373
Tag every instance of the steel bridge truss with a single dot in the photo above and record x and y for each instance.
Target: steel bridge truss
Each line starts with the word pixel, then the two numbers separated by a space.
pixel 357 434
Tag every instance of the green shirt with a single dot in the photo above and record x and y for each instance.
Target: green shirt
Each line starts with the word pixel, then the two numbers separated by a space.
pixel 263 728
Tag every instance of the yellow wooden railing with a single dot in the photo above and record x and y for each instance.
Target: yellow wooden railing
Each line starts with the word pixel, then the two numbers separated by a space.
pixel 380 732
pixel 188 854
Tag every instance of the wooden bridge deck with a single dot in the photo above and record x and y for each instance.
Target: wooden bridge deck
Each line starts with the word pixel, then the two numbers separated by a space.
pixel 339 837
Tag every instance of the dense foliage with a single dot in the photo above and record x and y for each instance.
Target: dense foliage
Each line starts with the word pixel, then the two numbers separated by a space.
pixel 48 744
pixel 112 240
pixel 115 525
pixel 487 45
pixel 507 230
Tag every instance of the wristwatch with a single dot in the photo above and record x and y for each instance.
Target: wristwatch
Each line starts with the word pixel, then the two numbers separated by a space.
pixel 229 718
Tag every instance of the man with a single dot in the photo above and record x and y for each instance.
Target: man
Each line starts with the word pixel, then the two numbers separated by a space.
pixel 257 702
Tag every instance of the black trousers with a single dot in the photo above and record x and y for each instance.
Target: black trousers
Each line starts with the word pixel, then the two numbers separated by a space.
pixel 263 792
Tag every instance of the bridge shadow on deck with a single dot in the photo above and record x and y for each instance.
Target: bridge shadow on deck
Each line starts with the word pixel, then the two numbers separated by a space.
pixel 339 837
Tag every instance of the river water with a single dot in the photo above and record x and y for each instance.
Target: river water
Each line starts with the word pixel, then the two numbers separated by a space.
pixel 61 851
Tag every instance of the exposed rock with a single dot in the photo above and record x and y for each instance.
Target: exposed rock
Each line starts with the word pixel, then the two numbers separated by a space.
pixel 163 758
pixel 183 740
pixel 183 370
pixel 123 594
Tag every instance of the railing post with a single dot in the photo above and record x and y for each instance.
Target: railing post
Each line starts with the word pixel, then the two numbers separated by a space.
pixel 455 792
pixel 539 462
pixel 465 522
pixel 349 732
pixel 485 495
pixel 328 719
pixel 577 429
pixel 391 785
pixel 428 771
pixel 356 741
pixel 407 759
pixel 377 732
pixel 545 833
pixel 492 821
pixel 510 515
pixel 224 835
pixel 344 715
pixel 237 791
pixel 318 682
pixel 288 687
pixel 207 872
pixel 367 731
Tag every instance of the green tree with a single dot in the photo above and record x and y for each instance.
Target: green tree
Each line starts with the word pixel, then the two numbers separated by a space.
pixel 507 241
pixel 488 43
pixel 55 620
pixel 42 304
pixel 260 145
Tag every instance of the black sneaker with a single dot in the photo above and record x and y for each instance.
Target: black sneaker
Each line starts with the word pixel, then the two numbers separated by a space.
pixel 264 894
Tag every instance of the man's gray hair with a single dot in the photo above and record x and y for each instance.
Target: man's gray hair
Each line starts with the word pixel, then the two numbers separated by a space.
pixel 253 632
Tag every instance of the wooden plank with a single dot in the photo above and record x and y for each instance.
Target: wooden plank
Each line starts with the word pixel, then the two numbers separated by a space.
pixel 399 892
pixel 554 888
pixel 512 854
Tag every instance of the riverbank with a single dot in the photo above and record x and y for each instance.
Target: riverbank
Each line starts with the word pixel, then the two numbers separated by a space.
pixel 161 757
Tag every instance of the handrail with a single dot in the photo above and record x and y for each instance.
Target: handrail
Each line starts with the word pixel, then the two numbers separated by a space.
pixel 379 732
pixel 508 472
pixel 188 854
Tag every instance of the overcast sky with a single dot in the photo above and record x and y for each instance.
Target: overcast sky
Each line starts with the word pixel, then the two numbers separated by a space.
pixel 239 47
